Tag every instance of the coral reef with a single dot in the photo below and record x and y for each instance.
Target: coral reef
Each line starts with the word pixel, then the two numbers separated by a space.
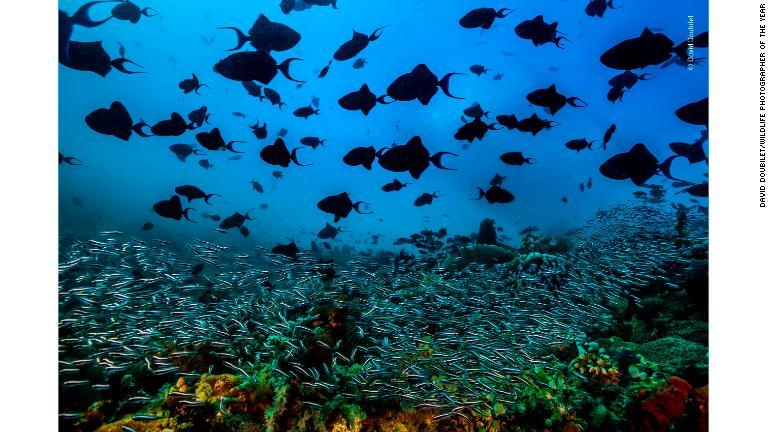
pixel 486 234
pixel 643 365
pixel 674 352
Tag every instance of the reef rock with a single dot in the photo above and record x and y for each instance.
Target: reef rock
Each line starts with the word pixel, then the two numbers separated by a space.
pixel 675 352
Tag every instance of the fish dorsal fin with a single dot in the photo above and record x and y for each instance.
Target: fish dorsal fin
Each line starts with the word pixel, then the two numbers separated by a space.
pixel 539 18
pixel 261 20
pixel 365 88
pixel 416 140
pixel 639 149
pixel 358 35
pixel 176 117
pixel 552 88
pixel 118 106
pixel 647 33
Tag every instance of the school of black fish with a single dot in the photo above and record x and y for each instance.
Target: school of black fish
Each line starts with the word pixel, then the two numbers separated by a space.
pixel 256 68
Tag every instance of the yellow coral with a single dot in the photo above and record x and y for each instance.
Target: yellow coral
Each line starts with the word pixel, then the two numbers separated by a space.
pixel 341 425
pixel 211 388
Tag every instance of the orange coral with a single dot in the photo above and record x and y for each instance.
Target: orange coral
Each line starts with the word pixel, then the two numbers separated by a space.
pixel 668 405
pixel 701 401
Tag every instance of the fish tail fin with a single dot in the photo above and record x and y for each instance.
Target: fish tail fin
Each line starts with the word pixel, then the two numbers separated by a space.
pixel 83 19
pixel 248 214
pixel 201 86
pixel 356 206
pixel 376 34
pixel 576 102
pixel 185 213
pixel 444 82
pixel 139 129
pixel 513 122
pixel 283 67
pixel 209 196
pixel 295 159
pixel 241 37
pixel 480 194
pixel 681 50
pixel 558 43
pixel 231 146
pixel 149 12
pixel 665 167
pixel 119 64
pixel 436 160
pixel 500 13
pixel 382 100
pixel 70 160
pixel 333 4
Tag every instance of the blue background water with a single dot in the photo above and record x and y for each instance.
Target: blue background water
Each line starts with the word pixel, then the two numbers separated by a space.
pixel 121 180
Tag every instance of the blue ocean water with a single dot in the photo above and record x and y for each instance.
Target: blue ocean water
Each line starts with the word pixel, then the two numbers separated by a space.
pixel 120 180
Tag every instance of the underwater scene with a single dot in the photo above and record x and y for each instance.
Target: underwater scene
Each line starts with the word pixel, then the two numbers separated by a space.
pixel 375 215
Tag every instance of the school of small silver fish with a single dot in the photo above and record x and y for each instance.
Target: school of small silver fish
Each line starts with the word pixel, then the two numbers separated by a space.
pixel 129 306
